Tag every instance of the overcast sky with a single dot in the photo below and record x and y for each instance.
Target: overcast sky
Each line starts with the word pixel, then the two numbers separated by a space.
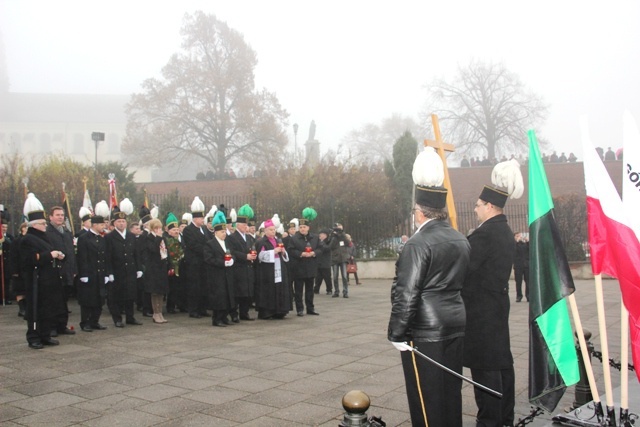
pixel 346 63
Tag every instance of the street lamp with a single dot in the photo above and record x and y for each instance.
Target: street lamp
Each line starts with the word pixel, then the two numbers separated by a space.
pixel 295 143
pixel 96 137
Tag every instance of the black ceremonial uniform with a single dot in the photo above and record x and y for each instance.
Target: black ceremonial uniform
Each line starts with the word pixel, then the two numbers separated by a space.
pixel 121 293
pixel 93 265
pixel 304 268
pixel 62 240
pixel 220 281
pixel 194 240
pixel 244 272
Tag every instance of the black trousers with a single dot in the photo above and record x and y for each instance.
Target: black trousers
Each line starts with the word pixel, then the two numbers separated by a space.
pixel 44 326
pixel 304 286
pixel 89 316
pixel 118 305
pixel 324 273
pixel 493 411
pixel 519 274
pixel 242 306
pixel 176 297
pixel 434 396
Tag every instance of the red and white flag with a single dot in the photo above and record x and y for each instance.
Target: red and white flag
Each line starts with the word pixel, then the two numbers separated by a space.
pixel 615 247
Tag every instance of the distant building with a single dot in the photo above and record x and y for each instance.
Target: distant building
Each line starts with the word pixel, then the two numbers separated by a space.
pixel 35 125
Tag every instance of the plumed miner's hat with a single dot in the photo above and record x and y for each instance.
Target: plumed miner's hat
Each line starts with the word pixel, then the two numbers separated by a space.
pixel 84 214
pixel 33 209
pixel 209 216
pixel 219 221
pixel 428 176
pixel 101 213
pixel 145 214
pixel 232 217
pixel 308 215
pixel 294 223
pixel 186 218
pixel 197 208
pixel 507 182
pixel 172 221
pixel 126 208
pixel 245 213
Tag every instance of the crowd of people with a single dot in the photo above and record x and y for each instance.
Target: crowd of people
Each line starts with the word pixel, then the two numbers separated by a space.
pixel 607 156
pixel 215 264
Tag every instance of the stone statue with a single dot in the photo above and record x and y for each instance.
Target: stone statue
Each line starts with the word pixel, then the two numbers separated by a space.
pixel 312 131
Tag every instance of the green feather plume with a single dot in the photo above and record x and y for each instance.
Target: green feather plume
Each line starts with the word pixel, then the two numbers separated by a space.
pixel 171 218
pixel 219 218
pixel 246 211
pixel 309 214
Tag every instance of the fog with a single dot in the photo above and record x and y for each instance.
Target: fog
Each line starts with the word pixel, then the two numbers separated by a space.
pixel 344 64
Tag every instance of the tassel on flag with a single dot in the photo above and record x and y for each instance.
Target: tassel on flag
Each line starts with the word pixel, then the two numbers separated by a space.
pixel 553 362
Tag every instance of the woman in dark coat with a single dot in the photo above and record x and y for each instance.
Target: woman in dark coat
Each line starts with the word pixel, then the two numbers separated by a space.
pixel 274 294
pixel 156 269
pixel 220 274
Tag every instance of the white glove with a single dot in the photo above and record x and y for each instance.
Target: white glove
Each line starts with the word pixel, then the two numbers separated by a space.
pixel 111 279
pixel 84 279
pixel 402 346
pixel 138 274
pixel 228 263
pixel 106 279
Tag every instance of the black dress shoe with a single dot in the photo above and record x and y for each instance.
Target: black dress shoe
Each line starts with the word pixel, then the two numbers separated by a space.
pixel 86 328
pixel 134 322
pixel 50 341
pixel 195 315
pixel 246 317
pixel 301 313
pixel 345 296
pixel 119 325
pixel 98 326
pixel 235 319
pixel 219 324
pixel 54 333
pixel 313 313
pixel 36 345
pixel 335 296
pixel 66 331
pixel 203 313
pixel 225 321
pixel 518 299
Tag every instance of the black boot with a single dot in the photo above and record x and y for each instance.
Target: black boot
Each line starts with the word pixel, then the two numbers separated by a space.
pixel 21 307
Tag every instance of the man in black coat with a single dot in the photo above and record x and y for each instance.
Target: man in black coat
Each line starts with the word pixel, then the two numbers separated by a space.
pixel 241 245
pixel 93 271
pixel 487 348
pixel 324 263
pixel 62 240
pixel 195 237
pixel 304 249
pixel 39 269
pixel 428 312
pixel 521 266
pixel 125 270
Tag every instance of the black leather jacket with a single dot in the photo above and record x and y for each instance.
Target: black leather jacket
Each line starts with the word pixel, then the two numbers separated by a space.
pixel 425 296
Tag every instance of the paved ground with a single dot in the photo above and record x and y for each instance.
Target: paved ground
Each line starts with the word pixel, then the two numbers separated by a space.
pixel 292 372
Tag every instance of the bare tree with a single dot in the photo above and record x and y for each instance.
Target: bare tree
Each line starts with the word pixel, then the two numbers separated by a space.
pixel 205 105
pixel 485 109
pixel 373 143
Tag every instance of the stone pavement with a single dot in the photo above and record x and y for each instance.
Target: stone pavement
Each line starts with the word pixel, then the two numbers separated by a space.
pixel 291 372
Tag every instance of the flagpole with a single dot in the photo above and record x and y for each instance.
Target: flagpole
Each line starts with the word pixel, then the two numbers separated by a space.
pixel 585 356
pixel 604 343
pixel 624 364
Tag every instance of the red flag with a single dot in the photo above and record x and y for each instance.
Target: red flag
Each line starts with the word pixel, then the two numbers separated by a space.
pixel 615 249
pixel 113 197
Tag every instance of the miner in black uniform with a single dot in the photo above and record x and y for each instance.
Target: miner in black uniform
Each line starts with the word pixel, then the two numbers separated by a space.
pixel 487 348
pixel 125 269
pixel 195 237
pixel 427 309
pixel 93 271
pixel 304 248
pixel 242 248
pixel 39 269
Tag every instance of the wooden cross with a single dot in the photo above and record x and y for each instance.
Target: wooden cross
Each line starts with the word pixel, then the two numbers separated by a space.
pixel 441 147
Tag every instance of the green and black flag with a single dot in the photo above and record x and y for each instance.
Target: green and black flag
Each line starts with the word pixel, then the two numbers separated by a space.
pixel 553 360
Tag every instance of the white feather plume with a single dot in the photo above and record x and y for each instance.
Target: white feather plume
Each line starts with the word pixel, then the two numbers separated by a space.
pixel 507 175
pixel 154 211
pixel 197 205
pixel 126 206
pixel 296 222
pixel 211 213
pixel 261 226
pixel 280 229
pixel 84 211
pixel 32 204
pixel 233 215
pixel 276 221
pixel 428 170
pixel 188 217
pixel 102 209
